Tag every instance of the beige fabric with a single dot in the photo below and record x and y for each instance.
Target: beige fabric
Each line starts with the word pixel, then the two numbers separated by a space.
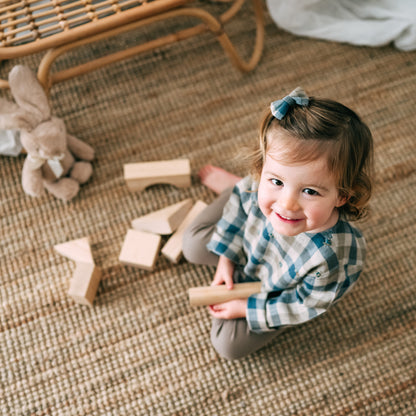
pixel 141 350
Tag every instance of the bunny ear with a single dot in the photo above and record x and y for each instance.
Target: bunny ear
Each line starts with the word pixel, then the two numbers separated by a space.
pixel 29 94
pixel 13 117
pixel 7 107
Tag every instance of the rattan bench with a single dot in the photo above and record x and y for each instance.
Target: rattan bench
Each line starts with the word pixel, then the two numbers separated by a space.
pixel 57 26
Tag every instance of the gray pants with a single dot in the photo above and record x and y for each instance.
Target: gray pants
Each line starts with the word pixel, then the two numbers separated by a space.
pixel 230 337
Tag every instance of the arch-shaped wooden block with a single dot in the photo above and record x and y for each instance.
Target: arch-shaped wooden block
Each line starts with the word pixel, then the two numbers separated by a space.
pixel 139 176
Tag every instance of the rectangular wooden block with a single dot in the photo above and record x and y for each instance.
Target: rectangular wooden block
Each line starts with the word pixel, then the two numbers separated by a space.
pixel 140 249
pixel 84 283
pixel 176 172
pixel 173 248
pixel 211 295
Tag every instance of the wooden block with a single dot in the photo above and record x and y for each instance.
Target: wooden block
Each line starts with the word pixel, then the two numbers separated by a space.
pixel 84 283
pixel 139 176
pixel 163 221
pixel 140 249
pixel 173 248
pixel 211 295
pixel 77 250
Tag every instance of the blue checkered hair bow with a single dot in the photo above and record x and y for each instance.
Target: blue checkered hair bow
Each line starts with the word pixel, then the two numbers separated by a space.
pixel 280 108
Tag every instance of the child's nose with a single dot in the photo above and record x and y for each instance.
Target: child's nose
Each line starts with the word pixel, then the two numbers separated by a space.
pixel 289 201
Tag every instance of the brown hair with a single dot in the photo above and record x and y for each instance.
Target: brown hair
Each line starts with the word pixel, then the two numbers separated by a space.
pixel 324 127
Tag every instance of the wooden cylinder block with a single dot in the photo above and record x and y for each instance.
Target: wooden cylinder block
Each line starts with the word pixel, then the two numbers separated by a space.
pixel 211 295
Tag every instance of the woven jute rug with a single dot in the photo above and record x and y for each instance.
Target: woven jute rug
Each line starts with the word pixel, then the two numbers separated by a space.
pixel 141 349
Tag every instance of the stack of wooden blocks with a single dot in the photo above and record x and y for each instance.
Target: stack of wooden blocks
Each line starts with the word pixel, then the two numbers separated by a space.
pixel 87 276
pixel 142 243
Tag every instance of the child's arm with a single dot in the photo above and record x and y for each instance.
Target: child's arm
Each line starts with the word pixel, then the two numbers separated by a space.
pixel 311 297
pixel 228 240
pixel 228 237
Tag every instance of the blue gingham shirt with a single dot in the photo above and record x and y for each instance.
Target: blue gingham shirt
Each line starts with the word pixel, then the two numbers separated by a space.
pixel 302 276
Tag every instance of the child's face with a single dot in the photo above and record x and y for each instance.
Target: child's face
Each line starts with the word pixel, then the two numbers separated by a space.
pixel 300 197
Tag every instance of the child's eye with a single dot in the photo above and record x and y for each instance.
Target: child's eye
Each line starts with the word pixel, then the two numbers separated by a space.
pixel 276 182
pixel 310 191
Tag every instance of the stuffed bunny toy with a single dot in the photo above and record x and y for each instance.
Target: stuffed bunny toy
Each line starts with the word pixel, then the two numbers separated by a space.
pixel 55 160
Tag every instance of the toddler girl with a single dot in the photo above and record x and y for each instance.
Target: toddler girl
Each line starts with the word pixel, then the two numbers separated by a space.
pixel 287 222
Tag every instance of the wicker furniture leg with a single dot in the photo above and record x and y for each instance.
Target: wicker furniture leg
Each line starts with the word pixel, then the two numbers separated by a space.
pixel 210 23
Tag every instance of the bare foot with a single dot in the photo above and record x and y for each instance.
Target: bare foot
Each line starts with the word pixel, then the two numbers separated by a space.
pixel 217 179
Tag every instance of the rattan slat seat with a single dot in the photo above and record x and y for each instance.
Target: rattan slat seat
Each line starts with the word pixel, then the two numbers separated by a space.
pixel 57 26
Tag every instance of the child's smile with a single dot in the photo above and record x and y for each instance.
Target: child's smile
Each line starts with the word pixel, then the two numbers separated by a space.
pixel 300 197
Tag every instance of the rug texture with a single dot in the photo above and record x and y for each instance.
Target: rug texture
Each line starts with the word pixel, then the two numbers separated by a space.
pixel 141 349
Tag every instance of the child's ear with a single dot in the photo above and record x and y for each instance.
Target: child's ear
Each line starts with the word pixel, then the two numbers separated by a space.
pixel 342 199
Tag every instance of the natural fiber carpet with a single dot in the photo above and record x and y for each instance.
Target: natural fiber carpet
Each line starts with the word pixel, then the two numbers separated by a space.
pixel 142 350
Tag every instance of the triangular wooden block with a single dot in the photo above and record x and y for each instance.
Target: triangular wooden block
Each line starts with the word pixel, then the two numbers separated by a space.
pixel 77 250
pixel 164 221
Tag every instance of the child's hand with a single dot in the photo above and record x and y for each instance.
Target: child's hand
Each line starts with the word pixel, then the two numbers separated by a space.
pixel 224 273
pixel 232 309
